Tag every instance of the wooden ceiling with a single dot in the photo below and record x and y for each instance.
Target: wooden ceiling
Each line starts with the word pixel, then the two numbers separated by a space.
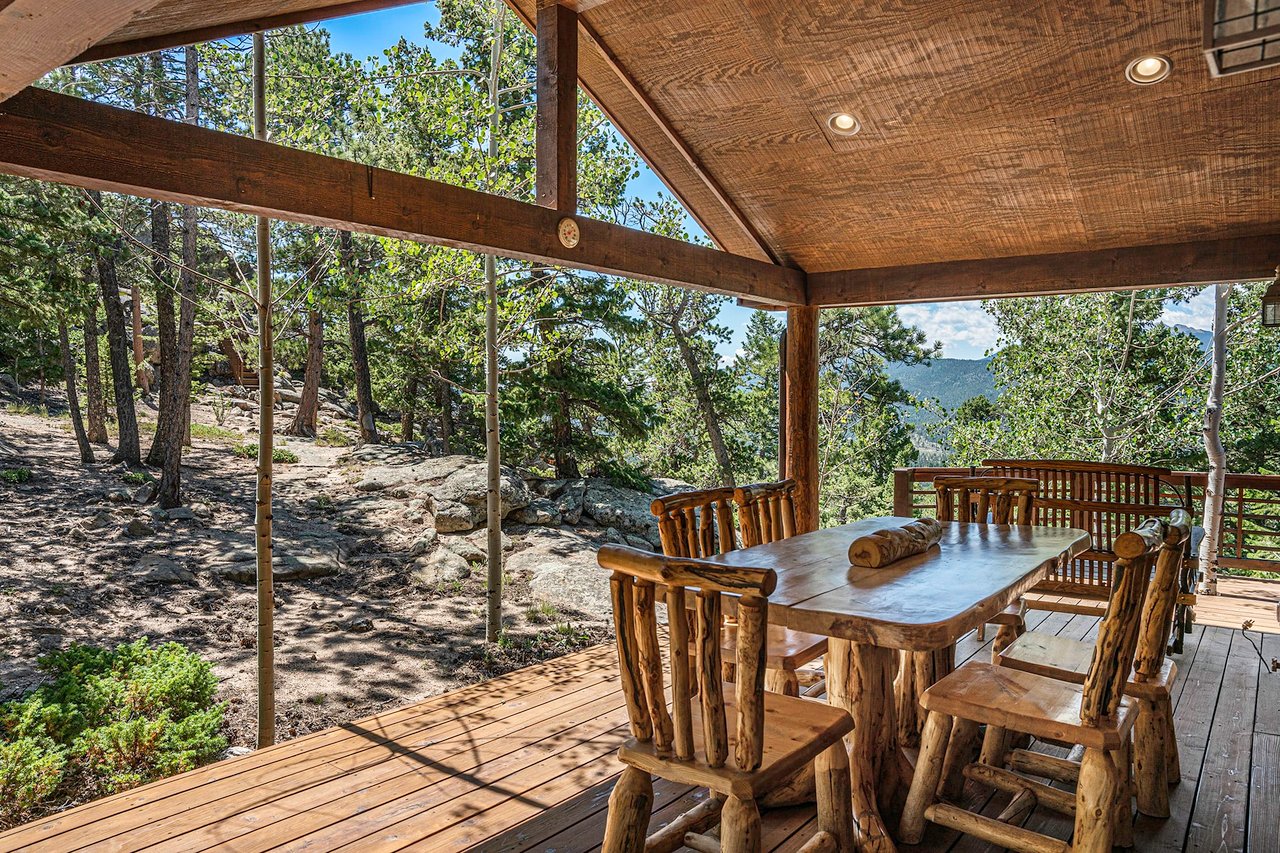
pixel 990 129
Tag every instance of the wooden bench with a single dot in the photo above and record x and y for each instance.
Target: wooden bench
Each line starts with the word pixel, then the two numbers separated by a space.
pixel 1105 500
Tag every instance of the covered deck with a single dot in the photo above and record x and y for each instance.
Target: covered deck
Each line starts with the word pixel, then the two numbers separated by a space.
pixel 526 762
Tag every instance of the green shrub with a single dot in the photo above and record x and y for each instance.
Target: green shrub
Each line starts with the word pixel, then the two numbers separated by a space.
pixel 15 475
pixel 278 454
pixel 334 437
pixel 624 475
pixel 214 433
pixel 136 478
pixel 108 720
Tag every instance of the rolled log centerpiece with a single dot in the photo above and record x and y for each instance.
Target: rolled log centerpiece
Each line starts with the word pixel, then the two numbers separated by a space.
pixel 884 547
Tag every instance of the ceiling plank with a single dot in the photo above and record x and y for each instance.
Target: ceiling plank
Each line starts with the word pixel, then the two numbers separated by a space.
pixel 238 27
pixel 1200 262
pixel 37 36
pixel 56 137
pixel 556 145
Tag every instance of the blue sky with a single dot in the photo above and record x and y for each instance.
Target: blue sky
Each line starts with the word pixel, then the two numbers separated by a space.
pixel 965 330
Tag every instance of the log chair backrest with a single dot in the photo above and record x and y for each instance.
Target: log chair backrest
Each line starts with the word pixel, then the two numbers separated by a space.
pixel 696 524
pixel 1008 500
pixel 767 511
pixel 637 578
pixel 1162 595
pixel 1137 552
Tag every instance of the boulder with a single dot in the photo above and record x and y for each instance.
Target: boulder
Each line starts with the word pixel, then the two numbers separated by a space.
pixel 201 510
pixel 638 542
pixel 154 568
pixel 139 527
pixel 563 570
pixel 98 521
pixel 181 513
pixel 568 498
pixel 465 547
pixel 424 543
pixel 628 510
pixel 451 517
pixel 299 563
pixel 360 625
pixel 539 511
pixel 470 486
pixel 144 493
pixel 440 566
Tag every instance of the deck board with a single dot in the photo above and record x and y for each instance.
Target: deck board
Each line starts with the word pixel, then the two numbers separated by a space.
pixel 525 763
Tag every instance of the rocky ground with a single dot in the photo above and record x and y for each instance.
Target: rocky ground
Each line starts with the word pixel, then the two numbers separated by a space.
pixel 379 564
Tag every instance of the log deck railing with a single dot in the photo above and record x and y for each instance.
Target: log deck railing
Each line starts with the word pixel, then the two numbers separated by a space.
pixel 1250 532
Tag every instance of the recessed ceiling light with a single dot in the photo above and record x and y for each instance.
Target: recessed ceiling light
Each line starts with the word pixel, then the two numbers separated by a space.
pixel 844 124
pixel 1146 70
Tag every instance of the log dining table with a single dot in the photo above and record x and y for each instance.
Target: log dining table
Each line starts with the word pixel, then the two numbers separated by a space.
pixel 914 610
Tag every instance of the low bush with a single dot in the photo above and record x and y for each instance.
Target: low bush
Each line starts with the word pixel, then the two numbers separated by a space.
pixel 278 454
pixel 108 720
pixel 334 437
pixel 15 475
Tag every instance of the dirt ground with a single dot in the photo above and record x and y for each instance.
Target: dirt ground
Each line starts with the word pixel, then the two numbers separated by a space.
pixel 360 640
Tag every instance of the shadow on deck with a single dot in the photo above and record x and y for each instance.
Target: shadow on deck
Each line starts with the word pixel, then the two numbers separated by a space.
pixel 525 763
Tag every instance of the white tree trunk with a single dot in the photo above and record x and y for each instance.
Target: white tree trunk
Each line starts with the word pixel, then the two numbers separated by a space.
pixel 492 449
pixel 266 443
pixel 1213 491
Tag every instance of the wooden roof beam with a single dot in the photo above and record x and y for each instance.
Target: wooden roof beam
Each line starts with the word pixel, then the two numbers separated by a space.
pixel 238 27
pixel 1200 262
pixel 556 145
pixel 37 36
pixel 56 137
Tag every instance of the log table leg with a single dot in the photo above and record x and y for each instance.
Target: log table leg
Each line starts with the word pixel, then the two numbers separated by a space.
pixel 860 680
pixel 917 672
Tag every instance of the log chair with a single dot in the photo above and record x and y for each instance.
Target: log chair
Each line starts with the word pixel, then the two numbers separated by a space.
pixel 738 740
pixel 1095 715
pixel 700 524
pixel 995 500
pixel 1156 762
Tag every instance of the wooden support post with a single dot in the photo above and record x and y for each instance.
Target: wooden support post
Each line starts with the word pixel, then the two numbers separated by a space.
pixel 557 134
pixel 266 443
pixel 802 413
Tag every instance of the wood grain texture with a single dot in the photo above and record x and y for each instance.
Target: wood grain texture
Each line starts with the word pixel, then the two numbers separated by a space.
pixel 60 138
pixel 914 604
pixel 36 36
pixel 556 142
pixel 891 544
pixel 802 413
pixel 173 23
pixel 1198 262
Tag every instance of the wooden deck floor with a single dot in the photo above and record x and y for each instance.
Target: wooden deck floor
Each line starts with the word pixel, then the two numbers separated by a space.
pixel 525 763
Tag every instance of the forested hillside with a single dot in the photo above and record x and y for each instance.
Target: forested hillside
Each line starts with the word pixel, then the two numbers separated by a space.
pixel 139 300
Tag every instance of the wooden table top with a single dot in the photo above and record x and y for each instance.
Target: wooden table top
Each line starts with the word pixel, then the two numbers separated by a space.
pixel 919 603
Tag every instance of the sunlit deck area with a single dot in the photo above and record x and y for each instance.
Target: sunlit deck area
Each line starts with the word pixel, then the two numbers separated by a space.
pixel 525 763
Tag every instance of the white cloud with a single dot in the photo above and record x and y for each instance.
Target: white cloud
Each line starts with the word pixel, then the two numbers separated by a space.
pixel 1196 313
pixel 963 328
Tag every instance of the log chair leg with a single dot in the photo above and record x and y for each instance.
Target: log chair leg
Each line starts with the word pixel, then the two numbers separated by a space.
pixel 1005 635
pixel 1151 760
pixel 740 826
pixel 728 672
pixel 1124 795
pixel 630 807
pixel 961 751
pixel 981 633
pixel 860 680
pixel 835 795
pixel 933 751
pixel 1173 763
pixel 1095 803
pixel 995 745
pixel 784 681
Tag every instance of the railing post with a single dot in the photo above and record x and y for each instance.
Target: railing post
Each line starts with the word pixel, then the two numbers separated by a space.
pixel 904 481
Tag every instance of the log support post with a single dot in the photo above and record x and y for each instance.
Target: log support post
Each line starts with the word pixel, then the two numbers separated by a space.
pixel 557 133
pixel 802 413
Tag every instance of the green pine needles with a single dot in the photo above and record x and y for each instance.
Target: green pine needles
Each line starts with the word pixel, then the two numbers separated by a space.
pixel 107 721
